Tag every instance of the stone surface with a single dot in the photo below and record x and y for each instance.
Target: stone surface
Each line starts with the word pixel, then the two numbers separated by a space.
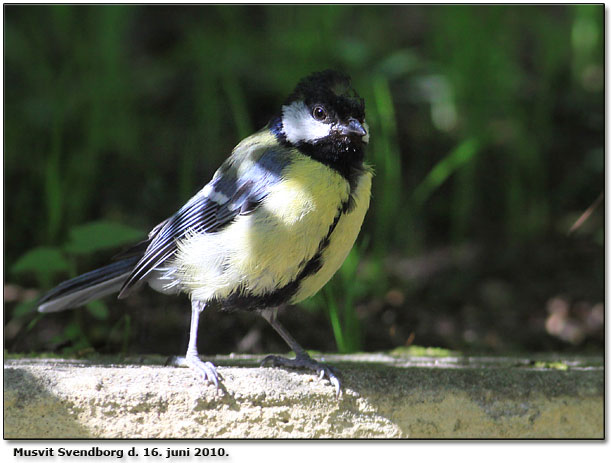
pixel 383 396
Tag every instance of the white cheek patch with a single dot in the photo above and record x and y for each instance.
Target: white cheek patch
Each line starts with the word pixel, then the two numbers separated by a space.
pixel 300 126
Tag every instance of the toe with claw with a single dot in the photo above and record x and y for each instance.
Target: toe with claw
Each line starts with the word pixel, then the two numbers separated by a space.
pixel 206 370
pixel 305 362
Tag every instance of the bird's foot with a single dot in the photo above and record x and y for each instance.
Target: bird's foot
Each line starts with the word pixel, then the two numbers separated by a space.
pixel 305 362
pixel 206 370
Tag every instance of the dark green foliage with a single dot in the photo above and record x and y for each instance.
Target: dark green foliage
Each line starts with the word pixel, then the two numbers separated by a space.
pixel 487 130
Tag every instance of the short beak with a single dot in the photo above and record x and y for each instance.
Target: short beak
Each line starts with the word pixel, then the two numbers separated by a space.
pixel 353 127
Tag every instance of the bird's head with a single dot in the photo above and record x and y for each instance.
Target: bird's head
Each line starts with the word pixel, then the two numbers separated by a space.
pixel 324 118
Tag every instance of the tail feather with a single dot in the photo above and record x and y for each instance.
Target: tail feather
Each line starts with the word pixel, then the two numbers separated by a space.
pixel 88 287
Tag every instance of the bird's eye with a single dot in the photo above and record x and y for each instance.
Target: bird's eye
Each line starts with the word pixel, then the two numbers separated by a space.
pixel 319 113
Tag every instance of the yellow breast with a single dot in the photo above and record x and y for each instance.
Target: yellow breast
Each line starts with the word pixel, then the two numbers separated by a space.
pixel 341 241
pixel 265 250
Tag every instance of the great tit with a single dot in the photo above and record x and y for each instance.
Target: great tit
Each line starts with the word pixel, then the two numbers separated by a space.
pixel 271 228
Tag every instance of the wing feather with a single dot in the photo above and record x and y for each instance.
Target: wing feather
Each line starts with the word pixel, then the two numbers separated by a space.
pixel 206 212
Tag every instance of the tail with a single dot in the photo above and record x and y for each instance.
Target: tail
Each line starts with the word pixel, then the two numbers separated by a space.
pixel 88 287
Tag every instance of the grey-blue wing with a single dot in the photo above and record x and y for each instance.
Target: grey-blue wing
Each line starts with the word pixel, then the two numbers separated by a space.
pixel 209 211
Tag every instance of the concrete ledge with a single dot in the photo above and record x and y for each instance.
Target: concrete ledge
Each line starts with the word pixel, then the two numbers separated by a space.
pixel 384 397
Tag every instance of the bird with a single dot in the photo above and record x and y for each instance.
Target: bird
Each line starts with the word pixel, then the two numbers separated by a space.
pixel 270 229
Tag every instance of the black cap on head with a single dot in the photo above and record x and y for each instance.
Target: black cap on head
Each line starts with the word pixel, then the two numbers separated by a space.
pixel 331 88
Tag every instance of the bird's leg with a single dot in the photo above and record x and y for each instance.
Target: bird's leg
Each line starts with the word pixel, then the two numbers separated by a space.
pixel 302 359
pixel 205 369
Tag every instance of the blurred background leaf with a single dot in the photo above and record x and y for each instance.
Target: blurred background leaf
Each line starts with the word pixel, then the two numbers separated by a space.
pixel 43 262
pixel 95 236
